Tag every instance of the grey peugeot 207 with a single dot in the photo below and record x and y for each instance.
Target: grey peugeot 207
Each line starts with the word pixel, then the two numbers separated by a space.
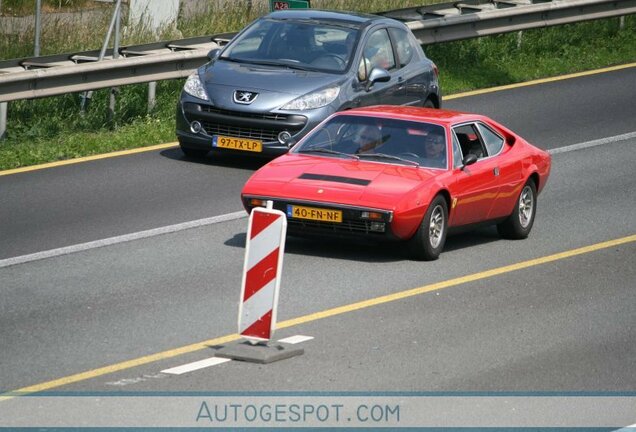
pixel 289 70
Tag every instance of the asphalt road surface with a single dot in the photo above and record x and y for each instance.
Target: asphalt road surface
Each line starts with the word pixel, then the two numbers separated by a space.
pixel 524 320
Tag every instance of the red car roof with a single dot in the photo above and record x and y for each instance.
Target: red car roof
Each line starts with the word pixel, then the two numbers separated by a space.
pixel 441 116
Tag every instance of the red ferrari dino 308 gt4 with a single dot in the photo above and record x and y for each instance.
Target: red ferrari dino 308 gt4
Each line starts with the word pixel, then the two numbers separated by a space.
pixel 404 173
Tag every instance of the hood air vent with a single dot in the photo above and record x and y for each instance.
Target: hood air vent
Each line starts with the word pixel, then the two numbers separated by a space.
pixel 337 179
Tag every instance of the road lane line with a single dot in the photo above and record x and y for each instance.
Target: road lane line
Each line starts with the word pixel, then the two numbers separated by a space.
pixel 88 158
pixel 213 361
pixel 340 310
pixel 537 82
pixel 454 282
pixel 296 339
pixel 230 216
pixel 445 98
pixel 593 143
pixel 197 365
pixel 94 373
pixel 121 239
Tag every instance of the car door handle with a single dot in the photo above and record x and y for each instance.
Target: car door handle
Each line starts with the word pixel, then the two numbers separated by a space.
pixel 495 171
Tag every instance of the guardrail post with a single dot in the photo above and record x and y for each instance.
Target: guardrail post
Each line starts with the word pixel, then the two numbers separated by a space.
pixel 38 25
pixel 621 22
pixel 152 93
pixel 89 94
pixel 114 90
pixel 3 120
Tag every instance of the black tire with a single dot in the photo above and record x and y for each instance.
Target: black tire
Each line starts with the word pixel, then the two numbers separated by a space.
pixel 429 239
pixel 194 153
pixel 519 223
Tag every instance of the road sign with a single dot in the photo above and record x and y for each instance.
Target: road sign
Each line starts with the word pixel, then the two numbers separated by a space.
pixel 288 4
pixel 262 272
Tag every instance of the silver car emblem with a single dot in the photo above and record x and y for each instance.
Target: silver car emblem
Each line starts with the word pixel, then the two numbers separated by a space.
pixel 244 97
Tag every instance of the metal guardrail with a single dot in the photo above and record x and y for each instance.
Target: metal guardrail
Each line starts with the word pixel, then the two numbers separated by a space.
pixel 68 73
pixel 476 18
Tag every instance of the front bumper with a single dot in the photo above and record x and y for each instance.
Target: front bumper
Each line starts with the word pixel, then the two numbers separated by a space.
pixel 353 224
pixel 265 127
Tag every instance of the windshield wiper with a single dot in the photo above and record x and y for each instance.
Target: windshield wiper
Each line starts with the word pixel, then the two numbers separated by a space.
pixel 386 156
pixel 266 63
pixel 281 64
pixel 327 151
pixel 234 59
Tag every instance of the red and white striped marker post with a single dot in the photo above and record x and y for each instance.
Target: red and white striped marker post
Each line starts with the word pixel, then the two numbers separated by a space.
pixel 262 272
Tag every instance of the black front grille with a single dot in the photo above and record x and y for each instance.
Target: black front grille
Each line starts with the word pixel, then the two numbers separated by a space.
pixel 240 131
pixel 345 227
pixel 261 116
pixel 243 124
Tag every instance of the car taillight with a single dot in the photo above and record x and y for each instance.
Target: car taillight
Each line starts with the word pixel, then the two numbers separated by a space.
pixel 435 70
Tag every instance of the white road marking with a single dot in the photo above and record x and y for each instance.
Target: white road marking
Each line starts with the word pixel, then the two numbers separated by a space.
pixel 213 361
pixel 296 339
pixel 594 143
pixel 121 239
pixel 201 364
pixel 128 381
pixel 230 216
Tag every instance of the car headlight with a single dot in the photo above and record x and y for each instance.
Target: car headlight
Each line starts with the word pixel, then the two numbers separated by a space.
pixel 194 87
pixel 313 100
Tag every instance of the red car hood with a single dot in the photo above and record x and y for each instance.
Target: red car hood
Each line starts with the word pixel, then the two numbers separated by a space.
pixel 341 181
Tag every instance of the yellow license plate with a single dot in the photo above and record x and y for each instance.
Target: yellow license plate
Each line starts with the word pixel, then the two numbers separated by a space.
pixel 237 143
pixel 312 213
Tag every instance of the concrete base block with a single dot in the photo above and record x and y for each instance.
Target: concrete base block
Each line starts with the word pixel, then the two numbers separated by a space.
pixel 259 353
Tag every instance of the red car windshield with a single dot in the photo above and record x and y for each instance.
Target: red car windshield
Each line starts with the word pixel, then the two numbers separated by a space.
pixel 379 140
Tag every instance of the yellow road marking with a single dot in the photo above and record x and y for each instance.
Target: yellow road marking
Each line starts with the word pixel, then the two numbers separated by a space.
pixel 88 158
pixel 538 81
pixel 83 376
pixel 320 315
pixel 445 98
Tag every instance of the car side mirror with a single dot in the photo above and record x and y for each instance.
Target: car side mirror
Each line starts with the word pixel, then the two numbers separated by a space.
pixel 377 75
pixel 213 54
pixel 290 142
pixel 469 160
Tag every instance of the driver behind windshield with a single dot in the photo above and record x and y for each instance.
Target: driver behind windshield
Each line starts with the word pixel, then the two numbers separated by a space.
pixel 367 138
pixel 435 149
